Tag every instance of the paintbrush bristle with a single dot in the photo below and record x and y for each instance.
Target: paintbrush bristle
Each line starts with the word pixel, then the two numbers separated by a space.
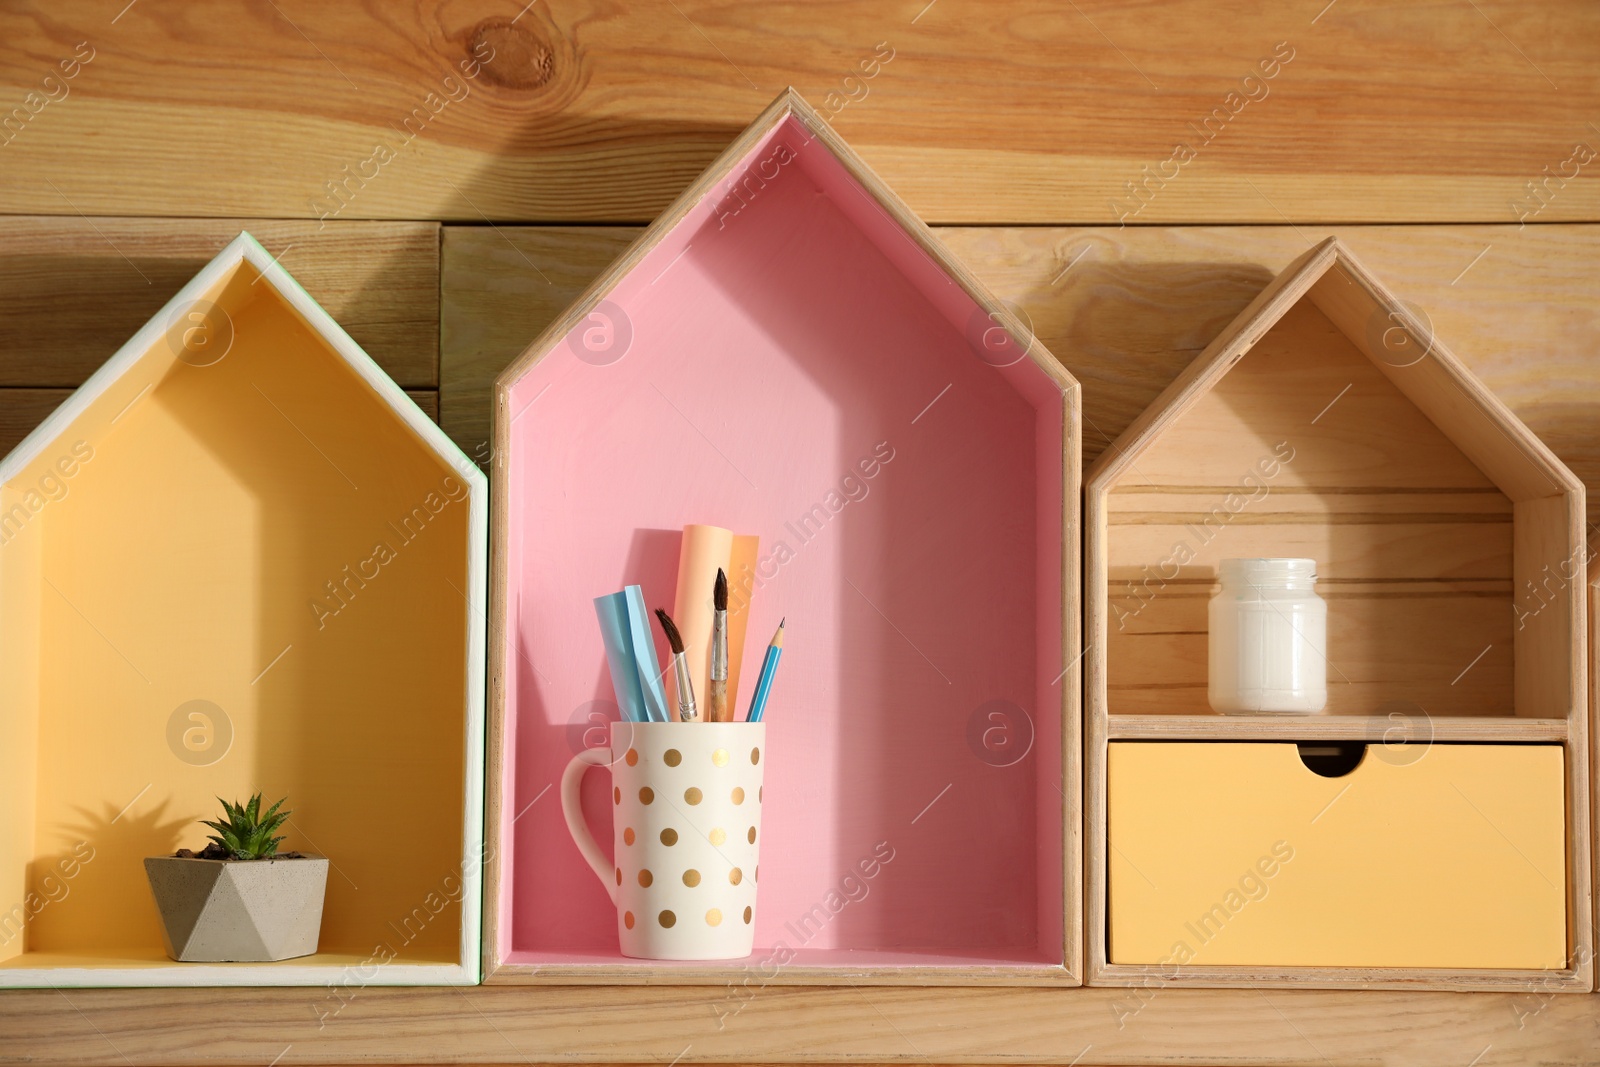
pixel 719 595
pixel 670 628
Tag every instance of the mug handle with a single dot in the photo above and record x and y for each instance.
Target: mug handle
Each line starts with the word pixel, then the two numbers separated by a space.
pixel 572 810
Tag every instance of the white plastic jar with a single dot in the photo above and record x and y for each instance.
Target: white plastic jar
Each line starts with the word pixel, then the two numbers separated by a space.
pixel 1269 638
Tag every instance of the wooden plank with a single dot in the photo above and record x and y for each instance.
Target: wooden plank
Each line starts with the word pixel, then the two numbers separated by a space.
pixel 1372 667
pixel 1591 726
pixel 1357 302
pixel 73 290
pixel 23 409
pixel 1394 729
pixel 1152 1024
pixel 1127 309
pixel 589 111
pixel 499 288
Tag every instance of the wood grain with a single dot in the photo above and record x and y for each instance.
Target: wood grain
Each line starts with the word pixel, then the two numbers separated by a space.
pixel 499 287
pixel 1391 729
pixel 1151 1025
pixel 1008 111
pixel 73 290
pixel 1593 725
pixel 1127 309
pixel 1256 383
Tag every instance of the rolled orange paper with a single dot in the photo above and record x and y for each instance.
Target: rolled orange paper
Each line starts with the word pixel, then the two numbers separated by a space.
pixel 741 580
pixel 704 549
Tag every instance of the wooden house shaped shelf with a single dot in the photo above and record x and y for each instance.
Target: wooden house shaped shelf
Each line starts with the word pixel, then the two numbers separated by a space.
pixel 1327 422
pixel 239 558
pixel 789 353
pixel 1594 719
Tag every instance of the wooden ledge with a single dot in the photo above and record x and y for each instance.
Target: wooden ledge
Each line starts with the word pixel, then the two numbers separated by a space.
pixel 789 1024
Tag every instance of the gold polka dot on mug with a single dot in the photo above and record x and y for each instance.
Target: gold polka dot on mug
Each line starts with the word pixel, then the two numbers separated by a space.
pixel 672 757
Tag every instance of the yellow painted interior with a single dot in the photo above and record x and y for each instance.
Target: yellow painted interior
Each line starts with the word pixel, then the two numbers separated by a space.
pixel 1226 853
pixel 198 518
pixel 19 715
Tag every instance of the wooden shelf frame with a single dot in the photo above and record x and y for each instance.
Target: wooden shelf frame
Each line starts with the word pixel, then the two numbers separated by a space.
pixel 791 138
pixel 265 441
pixel 841 1024
pixel 1396 729
pixel 1550 692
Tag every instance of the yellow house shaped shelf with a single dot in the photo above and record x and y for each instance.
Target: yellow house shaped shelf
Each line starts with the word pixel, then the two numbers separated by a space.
pixel 240 559
pixel 1435 818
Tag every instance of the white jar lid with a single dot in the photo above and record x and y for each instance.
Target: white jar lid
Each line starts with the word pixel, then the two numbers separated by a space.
pixel 1260 571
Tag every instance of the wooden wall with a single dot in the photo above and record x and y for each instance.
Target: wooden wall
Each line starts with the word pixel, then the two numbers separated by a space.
pixel 445 176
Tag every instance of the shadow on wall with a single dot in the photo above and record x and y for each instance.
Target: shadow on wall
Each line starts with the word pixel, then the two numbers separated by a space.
pixel 1126 329
pixel 107 845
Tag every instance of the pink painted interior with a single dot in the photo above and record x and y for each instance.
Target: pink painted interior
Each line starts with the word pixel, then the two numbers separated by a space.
pixel 780 339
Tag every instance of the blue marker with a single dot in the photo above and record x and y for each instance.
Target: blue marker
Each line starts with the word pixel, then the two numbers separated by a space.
pixel 769 667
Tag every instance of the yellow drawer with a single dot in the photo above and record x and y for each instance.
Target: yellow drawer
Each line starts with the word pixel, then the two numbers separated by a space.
pixel 1225 853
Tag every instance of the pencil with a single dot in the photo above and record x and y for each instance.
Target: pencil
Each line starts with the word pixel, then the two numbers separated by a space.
pixel 769 667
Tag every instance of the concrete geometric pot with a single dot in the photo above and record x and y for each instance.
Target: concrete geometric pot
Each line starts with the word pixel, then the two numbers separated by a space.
pixel 238 911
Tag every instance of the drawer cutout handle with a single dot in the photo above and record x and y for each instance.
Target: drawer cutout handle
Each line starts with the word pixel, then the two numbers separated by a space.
pixel 1331 759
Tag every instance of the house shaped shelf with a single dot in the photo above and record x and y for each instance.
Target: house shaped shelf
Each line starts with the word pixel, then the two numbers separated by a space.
pixel 239 558
pixel 789 353
pixel 1328 422
pixel 1594 719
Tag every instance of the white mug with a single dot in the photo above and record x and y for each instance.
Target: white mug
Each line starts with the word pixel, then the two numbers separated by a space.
pixel 686 835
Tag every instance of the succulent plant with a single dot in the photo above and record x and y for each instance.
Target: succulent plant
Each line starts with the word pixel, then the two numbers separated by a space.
pixel 246 834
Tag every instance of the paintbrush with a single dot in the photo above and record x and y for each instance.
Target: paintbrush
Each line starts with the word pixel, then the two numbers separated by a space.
pixel 717 709
pixel 687 712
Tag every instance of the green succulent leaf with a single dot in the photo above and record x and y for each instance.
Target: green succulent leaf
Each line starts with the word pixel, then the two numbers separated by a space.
pixel 246 833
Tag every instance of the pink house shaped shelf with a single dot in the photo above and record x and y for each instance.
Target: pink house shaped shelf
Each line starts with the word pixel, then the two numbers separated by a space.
pixel 789 353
